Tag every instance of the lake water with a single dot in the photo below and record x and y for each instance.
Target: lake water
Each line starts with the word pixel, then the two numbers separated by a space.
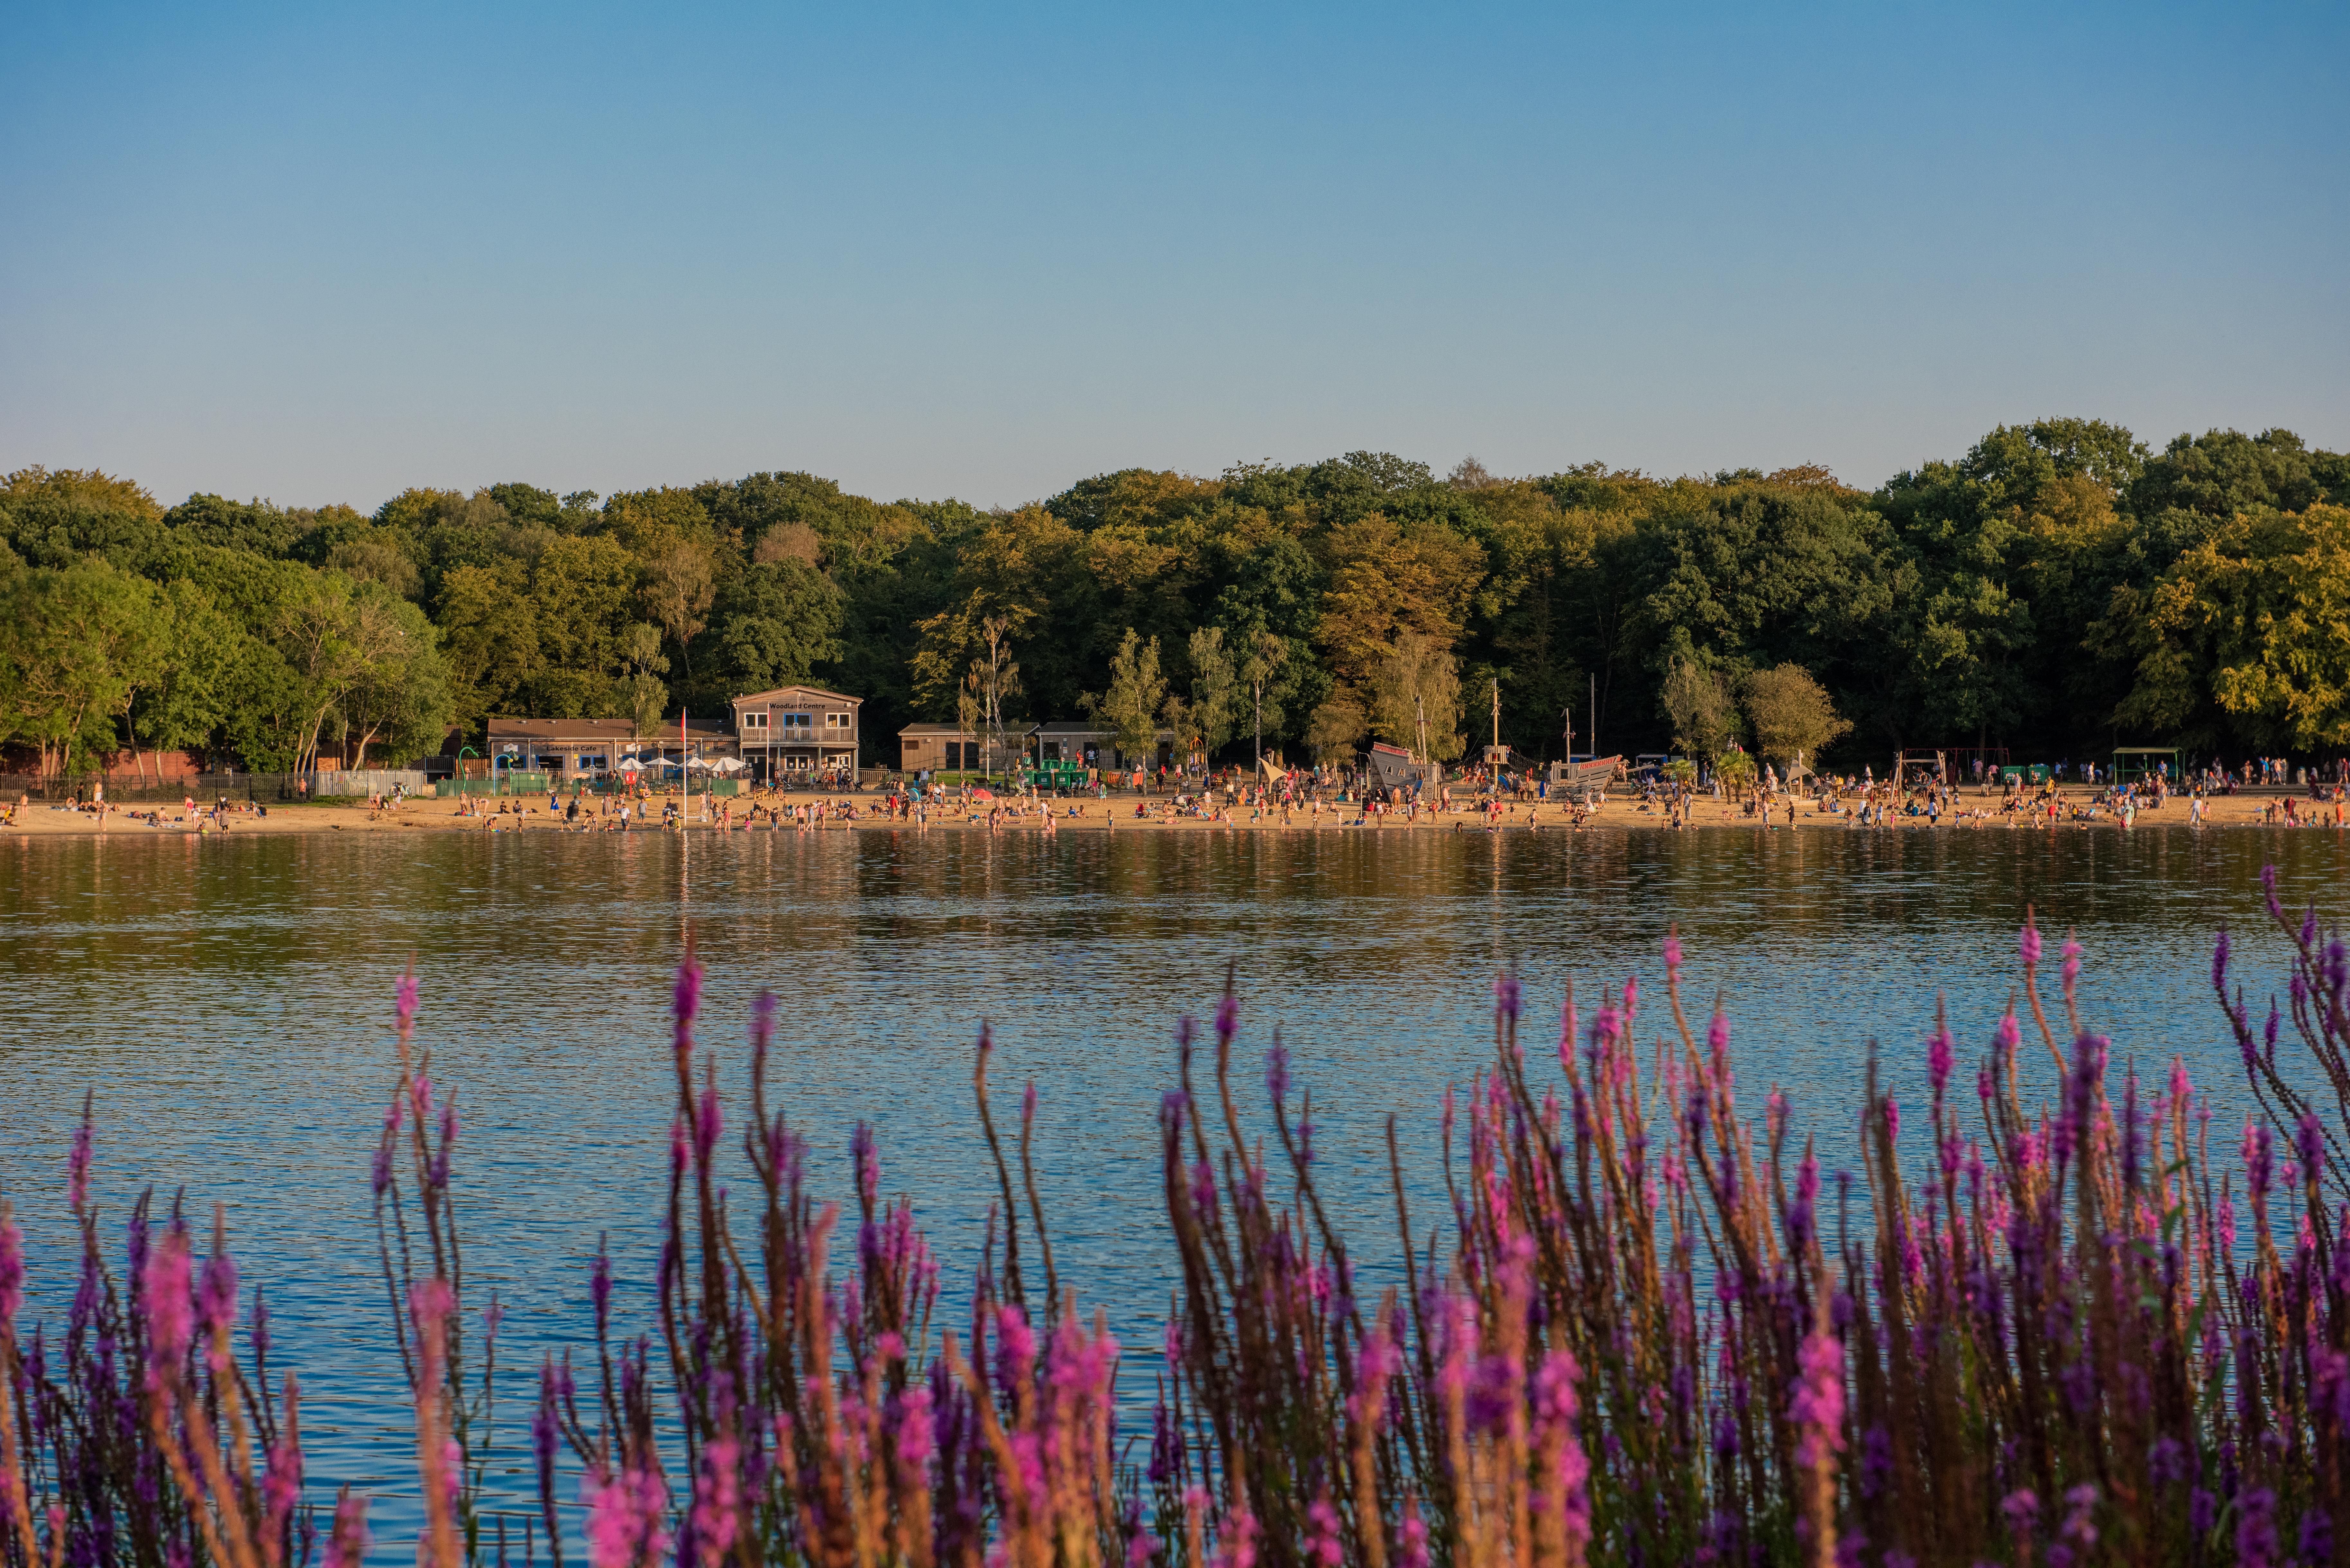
pixel 230 1003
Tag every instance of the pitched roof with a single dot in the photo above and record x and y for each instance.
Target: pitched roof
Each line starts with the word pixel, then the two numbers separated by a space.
pixel 797 693
pixel 596 731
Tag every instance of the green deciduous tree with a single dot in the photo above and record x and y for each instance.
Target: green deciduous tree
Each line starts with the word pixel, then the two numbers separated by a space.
pixel 1137 692
pixel 399 694
pixel 1791 714
pixel 1217 696
pixel 772 623
pixel 1704 713
pixel 643 693
pixel 2249 633
pixel 1415 694
pixel 75 642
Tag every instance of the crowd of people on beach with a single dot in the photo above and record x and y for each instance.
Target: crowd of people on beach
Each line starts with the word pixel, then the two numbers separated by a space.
pixel 2065 794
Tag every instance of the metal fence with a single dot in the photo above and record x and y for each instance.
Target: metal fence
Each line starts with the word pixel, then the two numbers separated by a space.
pixel 369 781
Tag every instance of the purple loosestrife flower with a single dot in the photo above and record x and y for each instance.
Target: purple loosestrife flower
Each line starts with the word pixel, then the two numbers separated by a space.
pixel 217 1299
pixel 169 1309
pixel 2259 1168
pixel 1938 1052
pixel 430 1302
pixel 918 1436
pixel 1276 1073
pixel 1506 995
pixel 281 1484
pixel 1325 1543
pixel 437 1174
pixel 1016 1344
pixel 1875 1461
pixel 347 1541
pixel 403 1008
pixel 717 1499
pixel 12 1269
pixel 2316 1535
pixel 2027 944
pixel 1817 1407
pixel 77 1162
pixel 1672 951
pixel 1228 1020
pixel 599 1286
pixel 625 1519
pixel 865 1157
pixel 2072 964
pixel 688 1002
pixel 2308 1142
pixel 763 1025
pixel 1800 1219
pixel 1566 1483
pixel 2220 961
pixel 2256 1534
pixel 1414 1533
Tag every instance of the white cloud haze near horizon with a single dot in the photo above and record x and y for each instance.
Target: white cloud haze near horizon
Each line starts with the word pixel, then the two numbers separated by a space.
pixel 933 253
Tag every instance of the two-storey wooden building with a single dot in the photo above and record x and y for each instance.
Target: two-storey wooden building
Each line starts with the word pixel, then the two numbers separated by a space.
pixel 797 731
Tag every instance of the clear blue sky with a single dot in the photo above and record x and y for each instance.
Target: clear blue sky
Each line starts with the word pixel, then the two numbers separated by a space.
pixel 320 252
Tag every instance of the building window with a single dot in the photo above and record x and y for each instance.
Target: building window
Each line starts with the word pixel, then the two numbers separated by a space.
pixel 797 727
pixel 755 721
pixel 835 720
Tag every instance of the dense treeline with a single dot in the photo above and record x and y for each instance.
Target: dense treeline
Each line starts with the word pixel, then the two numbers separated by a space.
pixel 2058 588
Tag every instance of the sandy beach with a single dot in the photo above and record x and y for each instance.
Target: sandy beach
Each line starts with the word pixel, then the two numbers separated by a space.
pixel 840 813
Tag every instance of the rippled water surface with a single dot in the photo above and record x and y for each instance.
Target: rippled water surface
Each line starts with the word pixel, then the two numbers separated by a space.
pixel 229 1002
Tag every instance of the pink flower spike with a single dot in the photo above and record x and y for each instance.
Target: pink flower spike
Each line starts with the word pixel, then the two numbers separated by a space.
pixel 12 1268
pixel 170 1308
pixel 1817 1409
